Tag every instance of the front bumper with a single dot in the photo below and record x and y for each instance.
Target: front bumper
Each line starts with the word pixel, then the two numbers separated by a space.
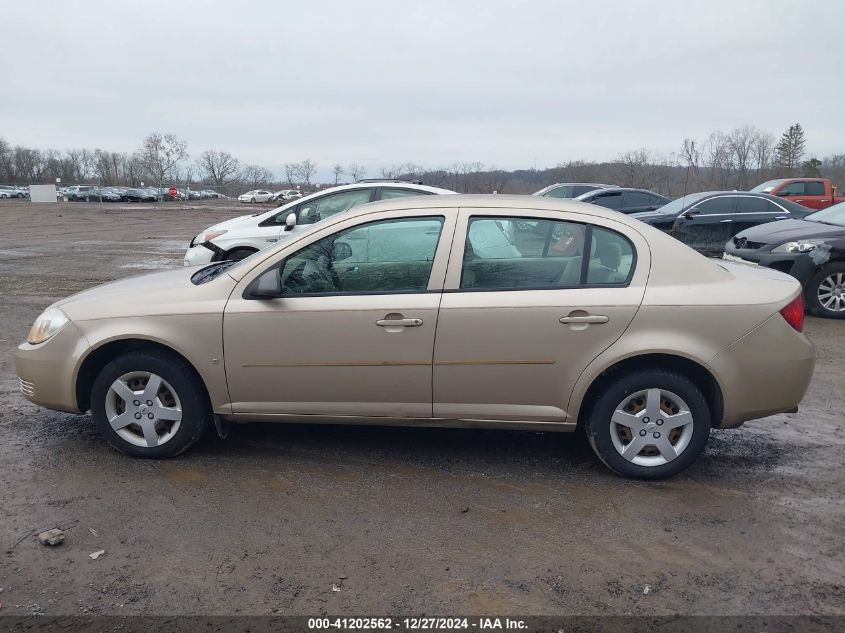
pixel 47 371
pixel 798 265
pixel 200 254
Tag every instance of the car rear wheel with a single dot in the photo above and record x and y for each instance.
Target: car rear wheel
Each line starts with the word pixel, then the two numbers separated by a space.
pixel 649 424
pixel 150 404
pixel 826 291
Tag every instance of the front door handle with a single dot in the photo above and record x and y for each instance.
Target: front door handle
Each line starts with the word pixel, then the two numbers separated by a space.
pixel 589 318
pixel 723 221
pixel 399 322
pixel 780 217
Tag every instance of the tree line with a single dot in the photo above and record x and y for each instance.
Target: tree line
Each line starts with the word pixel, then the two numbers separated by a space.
pixel 736 159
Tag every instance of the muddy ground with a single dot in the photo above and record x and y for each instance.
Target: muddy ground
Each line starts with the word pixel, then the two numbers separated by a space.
pixel 398 520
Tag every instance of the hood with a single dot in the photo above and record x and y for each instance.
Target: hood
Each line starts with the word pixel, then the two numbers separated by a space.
pixel 159 293
pixel 790 230
pixel 651 216
pixel 229 223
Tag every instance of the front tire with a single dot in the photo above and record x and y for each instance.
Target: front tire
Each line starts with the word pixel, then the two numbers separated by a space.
pixel 252 201
pixel 150 404
pixel 826 291
pixel 648 424
pixel 238 254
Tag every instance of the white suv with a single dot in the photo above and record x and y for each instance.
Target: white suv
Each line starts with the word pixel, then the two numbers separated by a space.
pixel 241 237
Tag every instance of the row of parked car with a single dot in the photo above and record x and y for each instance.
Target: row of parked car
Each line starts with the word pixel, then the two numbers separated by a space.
pixel 13 191
pixel 94 193
pixel 751 226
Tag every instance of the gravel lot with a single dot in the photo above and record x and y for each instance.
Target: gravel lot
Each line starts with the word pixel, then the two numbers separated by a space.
pixel 405 521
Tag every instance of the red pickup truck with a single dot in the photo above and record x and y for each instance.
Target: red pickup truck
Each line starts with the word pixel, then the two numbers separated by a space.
pixel 815 193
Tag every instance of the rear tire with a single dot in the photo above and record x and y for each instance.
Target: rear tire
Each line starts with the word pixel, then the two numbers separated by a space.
pixel 150 430
pixel 627 400
pixel 825 281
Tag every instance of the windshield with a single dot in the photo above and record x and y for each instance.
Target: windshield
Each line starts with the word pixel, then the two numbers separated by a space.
pixel 767 186
pixel 831 215
pixel 676 206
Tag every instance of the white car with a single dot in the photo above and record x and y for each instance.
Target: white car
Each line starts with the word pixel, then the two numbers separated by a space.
pixel 286 195
pixel 241 237
pixel 256 195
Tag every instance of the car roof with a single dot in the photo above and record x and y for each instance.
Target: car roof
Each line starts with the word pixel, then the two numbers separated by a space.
pixel 488 201
pixel 548 188
pixel 615 190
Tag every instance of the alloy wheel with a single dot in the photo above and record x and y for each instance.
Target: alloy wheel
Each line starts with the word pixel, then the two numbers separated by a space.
pixel 831 292
pixel 651 427
pixel 143 409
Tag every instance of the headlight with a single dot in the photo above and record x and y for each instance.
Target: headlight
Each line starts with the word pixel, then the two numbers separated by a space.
pixel 46 326
pixel 207 236
pixel 796 247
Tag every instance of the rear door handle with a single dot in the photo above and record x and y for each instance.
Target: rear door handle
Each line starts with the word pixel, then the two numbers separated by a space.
pixel 780 217
pixel 796 200
pixel 399 322
pixel 723 221
pixel 590 318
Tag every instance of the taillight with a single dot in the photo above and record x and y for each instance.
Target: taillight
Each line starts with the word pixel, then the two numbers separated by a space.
pixel 794 313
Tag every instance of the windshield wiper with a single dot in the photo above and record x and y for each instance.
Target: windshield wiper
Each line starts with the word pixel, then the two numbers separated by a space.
pixel 210 272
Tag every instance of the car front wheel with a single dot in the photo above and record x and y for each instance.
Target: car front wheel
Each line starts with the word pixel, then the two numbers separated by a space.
pixel 649 424
pixel 150 404
pixel 826 291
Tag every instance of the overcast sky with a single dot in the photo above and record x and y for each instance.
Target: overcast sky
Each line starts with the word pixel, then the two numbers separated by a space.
pixel 380 83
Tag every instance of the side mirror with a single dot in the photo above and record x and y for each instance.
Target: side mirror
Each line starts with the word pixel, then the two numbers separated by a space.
pixel 267 286
pixel 290 222
pixel 341 251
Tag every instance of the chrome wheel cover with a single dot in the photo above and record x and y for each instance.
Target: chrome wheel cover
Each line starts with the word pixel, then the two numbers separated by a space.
pixel 651 427
pixel 831 292
pixel 143 409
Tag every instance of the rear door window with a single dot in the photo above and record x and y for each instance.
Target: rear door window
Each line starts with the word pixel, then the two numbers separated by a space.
pixel 388 193
pixel 748 204
pixel 721 205
pixel 608 200
pixel 815 188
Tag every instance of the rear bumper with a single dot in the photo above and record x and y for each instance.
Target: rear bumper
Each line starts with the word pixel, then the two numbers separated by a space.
pixel 765 372
pixel 798 265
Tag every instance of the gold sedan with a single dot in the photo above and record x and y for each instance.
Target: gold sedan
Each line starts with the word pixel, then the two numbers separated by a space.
pixel 505 312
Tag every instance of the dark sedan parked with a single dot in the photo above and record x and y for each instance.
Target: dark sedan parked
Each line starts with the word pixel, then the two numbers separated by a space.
pixel 139 195
pixel 706 220
pixel 811 249
pixel 625 199
pixel 101 194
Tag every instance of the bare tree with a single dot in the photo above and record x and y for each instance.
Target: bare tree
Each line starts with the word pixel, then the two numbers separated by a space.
pixel 306 170
pixel 160 153
pixel 636 169
pixel 719 160
pixel 338 171
pixel 356 172
pixel 221 168
pixel 256 176
pixel 291 173
pixel 741 142
pixel 764 147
